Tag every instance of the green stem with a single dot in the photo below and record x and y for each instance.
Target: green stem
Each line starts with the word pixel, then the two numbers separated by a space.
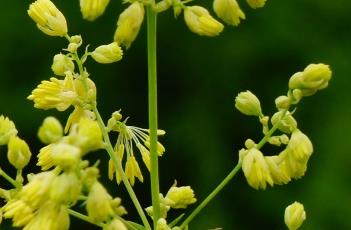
pixel 119 168
pixel 9 179
pixel 83 217
pixel 211 196
pixel 231 174
pixel 152 89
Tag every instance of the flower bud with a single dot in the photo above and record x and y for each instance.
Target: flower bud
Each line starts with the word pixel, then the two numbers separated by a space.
pixel 282 102
pixel 7 130
pixel 106 54
pixel 162 224
pixel 256 3
pixel 314 77
pixel 256 169
pixel 98 203
pixel 294 215
pixel 287 124
pixel 65 188
pixel 248 104
pixel 92 9
pixel 64 155
pixel 199 21
pixel 115 225
pixel 61 64
pixel 229 11
pixel 50 131
pixel 129 23
pixel 181 196
pixel 18 152
pixel 278 169
pixel 48 18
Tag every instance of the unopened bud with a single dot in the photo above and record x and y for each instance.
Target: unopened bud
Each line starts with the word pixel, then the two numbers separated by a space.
pixel 115 225
pixel 50 131
pixel 181 196
pixel 106 54
pixel 98 203
pixel 248 104
pixel 61 64
pixel 294 216
pixel 256 3
pixel 92 9
pixel 7 130
pixel 18 152
pixel 287 123
pixel 282 102
pixel 229 11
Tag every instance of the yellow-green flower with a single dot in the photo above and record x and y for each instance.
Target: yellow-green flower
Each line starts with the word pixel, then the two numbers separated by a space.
pixel 92 9
pixel 199 21
pixel 106 54
pixel 48 18
pixel 66 188
pixel 247 103
pixel 18 152
pixel 115 225
pixel 59 94
pixel 294 215
pixel 7 130
pixel 61 64
pixel 50 131
pixel 181 197
pixel 278 170
pixel 129 23
pixel 132 170
pixel 98 203
pixel 19 211
pixel 229 11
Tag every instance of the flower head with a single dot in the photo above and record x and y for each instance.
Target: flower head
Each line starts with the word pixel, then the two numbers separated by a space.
pixel 229 11
pixel 92 9
pixel 48 18
pixel 294 215
pixel 129 23
pixel 199 21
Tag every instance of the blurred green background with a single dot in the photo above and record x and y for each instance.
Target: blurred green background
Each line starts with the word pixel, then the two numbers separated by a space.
pixel 198 80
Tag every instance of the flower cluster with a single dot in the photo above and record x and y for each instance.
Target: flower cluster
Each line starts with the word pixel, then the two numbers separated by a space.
pixel 291 162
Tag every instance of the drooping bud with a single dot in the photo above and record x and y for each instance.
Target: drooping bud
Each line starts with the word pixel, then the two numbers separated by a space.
pixel 50 131
pixel 294 215
pixel 18 152
pixel 229 11
pixel 248 104
pixel 106 54
pixel 129 23
pixel 7 130
pixel 314 77
pixel 199 21
pixel 61 64
pixel 256 3
pixel 92 9
pixel 132 170
pixel 98 203
pixel 48 18
pixel 287 124
pixel 256 169
pixel 181 197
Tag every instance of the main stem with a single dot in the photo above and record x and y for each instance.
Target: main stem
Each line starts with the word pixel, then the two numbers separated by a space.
pixel 152 89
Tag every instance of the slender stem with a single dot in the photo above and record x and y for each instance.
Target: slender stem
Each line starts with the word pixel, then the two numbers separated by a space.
pixel 83 217
pixel 231 174
pixel 9 179
pixel 152 89
pixel 211 196
pixel 119 168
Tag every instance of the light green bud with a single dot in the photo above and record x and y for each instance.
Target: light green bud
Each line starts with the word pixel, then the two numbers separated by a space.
pixel 50 131
pixel 256 3
pixel 199 21
pixel 229 11
pixel 61 64
pixel 115 225
pixel 294 215
pixel 264 120
pixel 106 54
pixel 18 152
pixel 129 23
pixel 7 130
pixel 181 196
pixel 98 203
pixel 287 124
pixel 314 77
pixel 72 47
pixel 282 102
pixel 162 224
pixel 92 9
pixel 248 104
pixel 249 144
pixel 77 39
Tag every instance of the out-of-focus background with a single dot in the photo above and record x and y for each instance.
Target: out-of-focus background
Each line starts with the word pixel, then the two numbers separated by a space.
pixel 198 80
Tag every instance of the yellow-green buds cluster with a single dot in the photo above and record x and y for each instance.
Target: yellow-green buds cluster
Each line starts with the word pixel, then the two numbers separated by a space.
pixel 92 9
pixel 48 18
pixel 50 131
pixel 248 104
pixel 180 197
pixel 61 64
pixel 256 3
pixel 199 21
pixel 129 23
pixel 314 77
pixel 7 130
pixel 294 216
pixel 59 94
pixel 106 54
pixel 229 11
pixel 128 137
pixel 18 152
